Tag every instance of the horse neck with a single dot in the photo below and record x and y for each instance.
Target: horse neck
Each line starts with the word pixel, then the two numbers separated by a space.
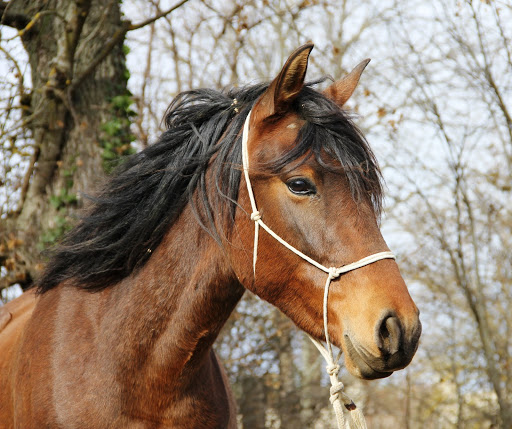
pixel 172 310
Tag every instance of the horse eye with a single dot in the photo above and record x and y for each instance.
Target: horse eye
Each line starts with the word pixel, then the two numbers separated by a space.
pixel 301 186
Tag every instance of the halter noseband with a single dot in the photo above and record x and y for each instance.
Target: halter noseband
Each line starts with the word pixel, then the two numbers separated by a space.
pixel 337 394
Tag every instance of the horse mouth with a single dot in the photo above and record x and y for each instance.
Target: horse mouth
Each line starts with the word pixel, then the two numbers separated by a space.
pixel 364 365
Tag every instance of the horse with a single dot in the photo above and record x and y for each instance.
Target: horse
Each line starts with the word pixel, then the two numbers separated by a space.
pixel 119 329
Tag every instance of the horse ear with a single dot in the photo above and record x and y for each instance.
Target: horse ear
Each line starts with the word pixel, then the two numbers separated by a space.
pixel 341 90
pixel 287 85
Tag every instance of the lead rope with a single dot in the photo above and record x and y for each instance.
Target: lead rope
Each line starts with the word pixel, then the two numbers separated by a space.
pixel 337 396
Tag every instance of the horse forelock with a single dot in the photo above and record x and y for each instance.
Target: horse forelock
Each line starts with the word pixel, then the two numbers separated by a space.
pixel 127 221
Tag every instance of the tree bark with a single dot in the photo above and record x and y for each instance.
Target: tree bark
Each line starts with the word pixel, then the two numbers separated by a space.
pixel 62 39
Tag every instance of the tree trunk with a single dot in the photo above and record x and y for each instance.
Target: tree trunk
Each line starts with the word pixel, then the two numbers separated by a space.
pixel 80 117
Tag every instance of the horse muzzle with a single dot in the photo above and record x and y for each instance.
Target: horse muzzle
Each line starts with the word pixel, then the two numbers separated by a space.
pixel 396 345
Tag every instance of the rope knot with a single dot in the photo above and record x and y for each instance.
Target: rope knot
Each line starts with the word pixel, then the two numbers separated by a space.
pixel 333 369
pixel 335 391
pixel 333 273
pixel 255 216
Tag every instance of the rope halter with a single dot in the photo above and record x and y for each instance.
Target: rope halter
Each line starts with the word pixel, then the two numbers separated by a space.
pixel 337 395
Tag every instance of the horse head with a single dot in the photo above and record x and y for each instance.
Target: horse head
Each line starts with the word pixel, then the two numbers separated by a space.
pixel 317 185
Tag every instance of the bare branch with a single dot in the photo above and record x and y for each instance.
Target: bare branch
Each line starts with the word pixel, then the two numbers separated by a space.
pixel 156 17
pixel 488 74
pixel 117 38
pixel 26 178
pixel 142 104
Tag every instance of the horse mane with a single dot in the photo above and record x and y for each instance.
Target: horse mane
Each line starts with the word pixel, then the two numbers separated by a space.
pixel 145 195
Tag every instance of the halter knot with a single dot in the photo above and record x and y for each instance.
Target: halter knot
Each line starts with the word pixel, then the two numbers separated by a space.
pixel 333 273
pixel 255 216
pixel 333 369
pixel 336 390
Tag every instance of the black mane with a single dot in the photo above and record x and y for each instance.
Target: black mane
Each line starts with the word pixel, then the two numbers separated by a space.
pixel 131 215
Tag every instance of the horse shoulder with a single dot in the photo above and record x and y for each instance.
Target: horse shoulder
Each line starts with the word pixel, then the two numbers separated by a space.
pixel 13 319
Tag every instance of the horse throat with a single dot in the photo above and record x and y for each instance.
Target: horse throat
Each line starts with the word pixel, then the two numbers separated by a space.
pixel 188 292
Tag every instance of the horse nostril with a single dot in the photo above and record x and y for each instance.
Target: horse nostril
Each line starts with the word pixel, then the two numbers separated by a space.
pixel 389 335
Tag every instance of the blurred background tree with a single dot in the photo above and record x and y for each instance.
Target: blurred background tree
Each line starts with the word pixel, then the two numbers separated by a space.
pixel 86 82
